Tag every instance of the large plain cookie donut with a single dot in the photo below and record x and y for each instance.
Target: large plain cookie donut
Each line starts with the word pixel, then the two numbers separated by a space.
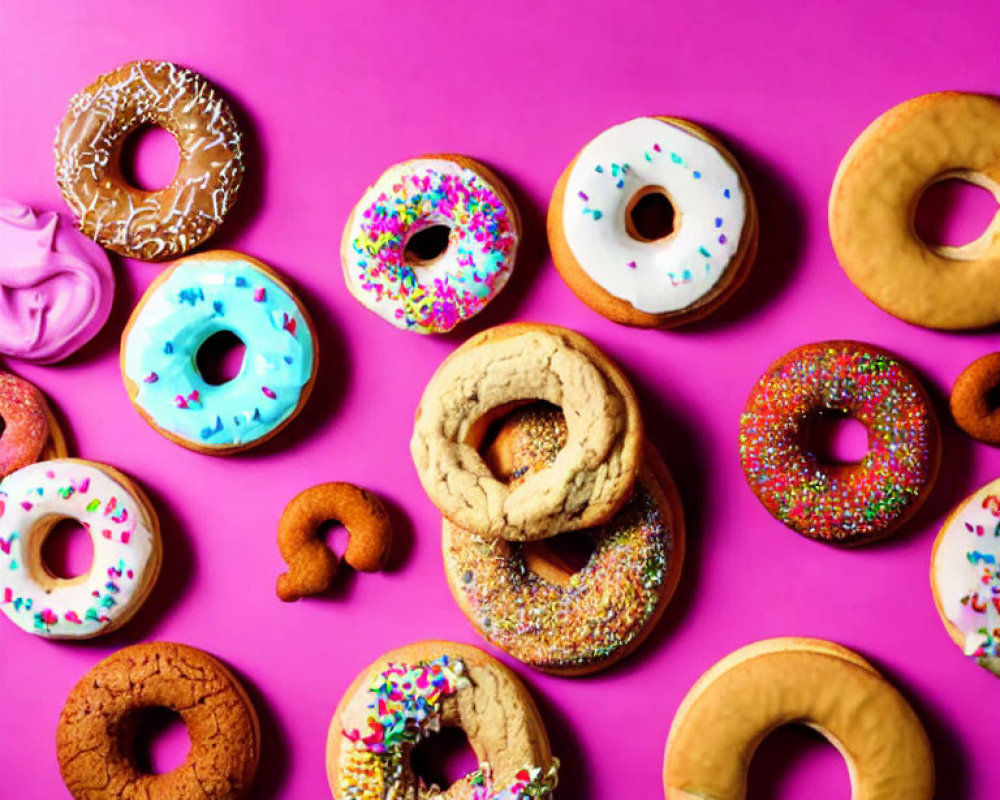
pixel 415 691
pixel 153 226
pixel 610 261
pixel 525 600
pixel 875 194
pixel 759 688
pixel 509 365
pixel 96 727
pixel 965 575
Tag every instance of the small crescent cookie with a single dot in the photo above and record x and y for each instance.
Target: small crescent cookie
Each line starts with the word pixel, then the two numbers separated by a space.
pixel 759 688
pixel 152 226
pixel 972 399
pixel 434 295
pixel 874 198
pixel 525 600
pixel 30 430
pixel 965 575
pixel 94 736
pixel 416 690
pixel 124 531
pixel 193 299
pixel 608 262
pixel 313 565
pixel 509 365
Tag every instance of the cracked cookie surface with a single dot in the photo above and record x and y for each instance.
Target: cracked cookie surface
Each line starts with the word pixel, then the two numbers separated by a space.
pixel 503 367
pixel 96 727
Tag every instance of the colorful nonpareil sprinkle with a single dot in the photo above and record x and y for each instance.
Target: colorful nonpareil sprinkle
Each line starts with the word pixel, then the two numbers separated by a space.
pixel 433 297
pixel 606 605
pixel 844 504
pixel 405 708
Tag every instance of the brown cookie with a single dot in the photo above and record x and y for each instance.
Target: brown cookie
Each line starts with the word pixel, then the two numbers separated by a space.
pixel 313 565
pixel 411 692
pixel 974 400
pixel 684 267
pixel 94 738
pixel 501 368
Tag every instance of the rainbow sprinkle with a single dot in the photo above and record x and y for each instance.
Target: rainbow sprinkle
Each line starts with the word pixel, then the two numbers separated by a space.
pixel 606 605
pixel 482 245
pixel 839 504
pixel 405 709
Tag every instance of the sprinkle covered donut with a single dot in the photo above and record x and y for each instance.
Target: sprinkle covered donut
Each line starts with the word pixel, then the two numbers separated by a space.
pixel 416 690
pixel 56 286
pixel 500 368
pixel 431 295
pixel 152 226
pixel 677 270
pixel 126 540
pixel 30 432
pixel 193 299
pixel 841 503
pixel 97 726
pixel 545 614
pixel 965 575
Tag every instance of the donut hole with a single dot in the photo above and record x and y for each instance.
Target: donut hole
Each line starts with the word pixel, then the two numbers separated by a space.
pixel 149 158
pixel 835 437
pixel 792 761
pixel 3 425
pixel 160 739
pixel 67 551
pixel 220 358
pixel 495 449
pixel 955 212
pixel 335 536
pixel 427 246
pixel 558 558
pixel 650 215
pixel 991 396
pixel 443 758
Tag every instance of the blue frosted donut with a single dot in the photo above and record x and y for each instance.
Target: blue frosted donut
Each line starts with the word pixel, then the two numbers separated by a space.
pixel 200 296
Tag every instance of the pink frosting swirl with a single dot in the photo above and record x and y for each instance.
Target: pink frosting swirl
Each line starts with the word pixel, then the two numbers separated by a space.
pixel 56 286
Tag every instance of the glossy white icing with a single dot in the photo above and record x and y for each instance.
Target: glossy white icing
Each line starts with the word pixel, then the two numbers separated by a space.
pixel 710 211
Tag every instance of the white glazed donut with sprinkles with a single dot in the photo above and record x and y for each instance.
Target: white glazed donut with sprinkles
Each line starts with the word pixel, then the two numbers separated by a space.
pixel 694 253
pixel 125 535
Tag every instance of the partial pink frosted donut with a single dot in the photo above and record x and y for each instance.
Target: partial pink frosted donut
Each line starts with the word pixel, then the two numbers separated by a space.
pixel 56 286
pixel 26 425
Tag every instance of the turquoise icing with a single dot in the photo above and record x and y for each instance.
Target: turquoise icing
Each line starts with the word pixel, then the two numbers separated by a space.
pixel 196 301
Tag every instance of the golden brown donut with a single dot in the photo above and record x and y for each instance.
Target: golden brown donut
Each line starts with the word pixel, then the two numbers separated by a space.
pixel 411 692
pixel 524 598
pixel 751 692
pixel 29 431
pixel 608 260
pixel 874 199
pixel 312 565
pixel 972 399
pixel 152 226
pixel 488 375
pixel 97 725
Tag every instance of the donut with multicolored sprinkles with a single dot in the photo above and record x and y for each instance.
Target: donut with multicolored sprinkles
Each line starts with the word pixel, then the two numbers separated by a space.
pixel 847 504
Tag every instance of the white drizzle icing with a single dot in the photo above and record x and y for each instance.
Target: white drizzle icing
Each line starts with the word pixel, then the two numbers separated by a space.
pixel 149 225
pixel 663 276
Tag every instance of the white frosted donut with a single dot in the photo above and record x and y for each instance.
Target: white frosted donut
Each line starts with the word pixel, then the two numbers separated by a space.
pixel 431 296
pixel 124 532
pixel 650 282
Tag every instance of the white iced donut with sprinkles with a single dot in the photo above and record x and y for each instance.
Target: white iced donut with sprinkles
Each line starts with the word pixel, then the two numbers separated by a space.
pixel 123 529
pixel 653 224
pixel 965 575
pixel 431 242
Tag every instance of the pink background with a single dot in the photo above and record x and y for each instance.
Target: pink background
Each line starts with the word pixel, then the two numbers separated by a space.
pixel 330 94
